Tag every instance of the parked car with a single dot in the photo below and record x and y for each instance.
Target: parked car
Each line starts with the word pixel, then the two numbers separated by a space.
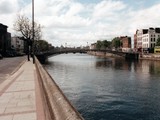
pixel 1 57
pixel 11 53
pixel 20 54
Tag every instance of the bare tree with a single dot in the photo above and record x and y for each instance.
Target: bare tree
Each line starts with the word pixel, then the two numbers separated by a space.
pixel 24 27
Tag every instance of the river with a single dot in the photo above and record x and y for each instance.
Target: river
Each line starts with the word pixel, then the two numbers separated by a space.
pixel 108 88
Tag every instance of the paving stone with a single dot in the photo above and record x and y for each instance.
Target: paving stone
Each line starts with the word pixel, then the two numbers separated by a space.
pixel 2 109
pixel 9 117
pixel 18 101
pixel 27 116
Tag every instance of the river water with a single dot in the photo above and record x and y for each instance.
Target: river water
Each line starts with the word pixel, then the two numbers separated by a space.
pixel 108 88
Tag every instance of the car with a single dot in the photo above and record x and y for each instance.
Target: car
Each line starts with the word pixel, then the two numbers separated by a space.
pixel 1 57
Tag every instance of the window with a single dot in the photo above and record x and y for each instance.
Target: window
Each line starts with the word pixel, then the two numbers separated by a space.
pixel 153 45
pixel 151 39
pixel 154 39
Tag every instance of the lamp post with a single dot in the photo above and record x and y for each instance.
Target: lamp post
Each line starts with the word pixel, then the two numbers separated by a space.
pixel 33 30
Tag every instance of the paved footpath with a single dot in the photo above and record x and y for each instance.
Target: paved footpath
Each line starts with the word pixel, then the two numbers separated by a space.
pixel 20 97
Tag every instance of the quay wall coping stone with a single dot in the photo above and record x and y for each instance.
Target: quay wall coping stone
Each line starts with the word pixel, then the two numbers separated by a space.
pixel 56 104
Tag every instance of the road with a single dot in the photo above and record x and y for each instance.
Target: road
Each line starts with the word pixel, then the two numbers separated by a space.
pixel 8 65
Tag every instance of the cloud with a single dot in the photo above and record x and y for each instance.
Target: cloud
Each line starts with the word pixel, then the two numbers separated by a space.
pixel 73 20
pixel 72 39
pixel 108 9
pixel 145 18
pixel 8 6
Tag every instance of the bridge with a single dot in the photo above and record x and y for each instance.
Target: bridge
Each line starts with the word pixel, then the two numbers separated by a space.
pixel 44 55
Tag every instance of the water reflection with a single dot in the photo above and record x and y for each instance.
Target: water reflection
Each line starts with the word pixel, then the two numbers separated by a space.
pixel 109 88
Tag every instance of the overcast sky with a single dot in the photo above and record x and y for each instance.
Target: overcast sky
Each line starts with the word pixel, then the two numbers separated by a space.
pixel 78 22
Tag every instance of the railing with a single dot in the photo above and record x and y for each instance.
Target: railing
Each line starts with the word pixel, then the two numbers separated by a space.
pixel 57 106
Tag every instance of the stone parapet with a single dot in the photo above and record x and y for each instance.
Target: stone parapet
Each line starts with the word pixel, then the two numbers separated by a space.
pixel 55 103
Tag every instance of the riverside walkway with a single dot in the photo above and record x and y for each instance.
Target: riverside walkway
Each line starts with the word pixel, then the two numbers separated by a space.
pixel 22 98
pixel 19 95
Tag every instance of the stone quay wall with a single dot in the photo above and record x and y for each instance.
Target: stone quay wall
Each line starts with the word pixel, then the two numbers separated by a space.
pixel 102 54
pixel 55 103
pixel 150 56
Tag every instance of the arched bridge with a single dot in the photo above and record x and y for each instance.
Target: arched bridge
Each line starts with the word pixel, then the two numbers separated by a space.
pixel 44 55
pixel 62 51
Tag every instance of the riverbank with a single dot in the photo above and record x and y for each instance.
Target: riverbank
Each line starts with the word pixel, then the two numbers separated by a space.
pixel 150 56
pixel 103 54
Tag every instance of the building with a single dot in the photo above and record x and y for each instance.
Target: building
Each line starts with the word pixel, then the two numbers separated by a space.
pixel 17 44
pixel 135 40
pixel 125 43
pixel 8 42
pixel 139 34
pixel 157 49
pixel 93 46
pixel 147 38
pixel 5 40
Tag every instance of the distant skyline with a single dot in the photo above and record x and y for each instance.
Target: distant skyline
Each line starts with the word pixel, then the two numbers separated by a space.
pixel 78 22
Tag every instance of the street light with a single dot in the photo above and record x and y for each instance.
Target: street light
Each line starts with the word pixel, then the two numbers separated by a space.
pixel 33 30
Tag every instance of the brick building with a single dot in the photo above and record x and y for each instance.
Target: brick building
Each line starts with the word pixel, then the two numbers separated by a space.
pixel 125 43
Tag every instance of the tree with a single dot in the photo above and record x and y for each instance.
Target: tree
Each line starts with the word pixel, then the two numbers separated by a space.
pixel 98 44
pixel 116 42
pixel 24 27
pixel 158 42
pixel 41 46
pixel 106 44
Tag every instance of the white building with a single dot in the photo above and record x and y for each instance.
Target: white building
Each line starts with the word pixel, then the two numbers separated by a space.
pixel 93 46
pixel 147 38
pixel 17 44
pixel 139 34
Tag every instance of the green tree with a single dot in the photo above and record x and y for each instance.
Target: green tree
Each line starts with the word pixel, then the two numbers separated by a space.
pixel 41 46
pixel 106 44
pixel 116 42
pixel 99 44
pixel 158 42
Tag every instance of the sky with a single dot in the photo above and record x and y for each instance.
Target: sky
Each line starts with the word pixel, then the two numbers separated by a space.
pixel 82 22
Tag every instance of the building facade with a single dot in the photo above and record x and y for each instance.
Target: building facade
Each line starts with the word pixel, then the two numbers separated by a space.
pixel 17 44
pixel 147 38
pixel 126 41
pixel 135 40
pixel 93 46
pixel 8 42
pixel 5 40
